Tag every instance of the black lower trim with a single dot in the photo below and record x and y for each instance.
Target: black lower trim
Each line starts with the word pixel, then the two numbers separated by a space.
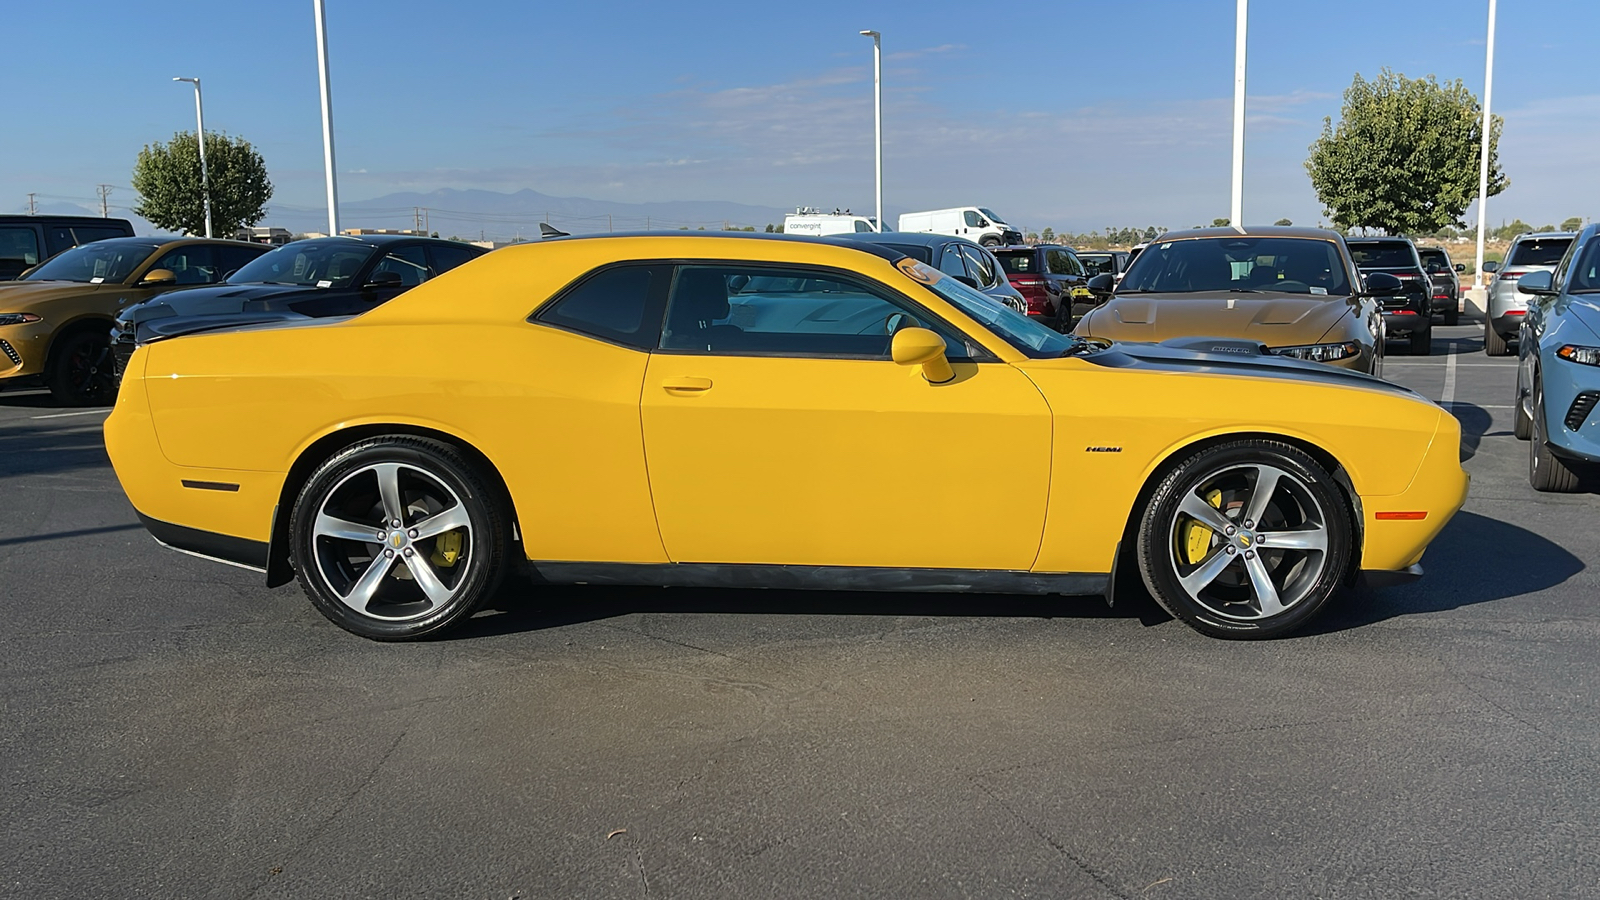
pixel 826 578
pixel 222 547
pixel 1379 578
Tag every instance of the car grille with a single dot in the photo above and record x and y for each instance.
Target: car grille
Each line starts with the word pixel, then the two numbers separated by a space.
pixel 121 352
pixel 10 352
pixel 1580 409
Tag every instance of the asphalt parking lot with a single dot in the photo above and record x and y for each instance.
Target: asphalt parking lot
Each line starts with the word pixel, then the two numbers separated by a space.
pixel 171 728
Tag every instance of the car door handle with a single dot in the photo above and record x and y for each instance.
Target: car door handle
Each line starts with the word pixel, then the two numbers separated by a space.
pixel 686 385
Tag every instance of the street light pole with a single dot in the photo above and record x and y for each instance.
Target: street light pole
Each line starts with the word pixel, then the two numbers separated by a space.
pixel 327 118
pixel 1237 211
pixel 1483 158
pixel 200 124
pixel 877 113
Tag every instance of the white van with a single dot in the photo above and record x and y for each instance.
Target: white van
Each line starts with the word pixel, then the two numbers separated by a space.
pixel 974 223
pixel 806 220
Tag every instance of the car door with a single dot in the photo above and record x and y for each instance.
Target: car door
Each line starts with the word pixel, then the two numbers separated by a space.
pixel 778 431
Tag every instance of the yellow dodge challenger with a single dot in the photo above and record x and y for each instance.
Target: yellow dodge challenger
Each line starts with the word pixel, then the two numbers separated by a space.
pixel 770 412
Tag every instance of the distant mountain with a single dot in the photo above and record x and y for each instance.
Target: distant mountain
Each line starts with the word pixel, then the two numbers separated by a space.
pixel 494 215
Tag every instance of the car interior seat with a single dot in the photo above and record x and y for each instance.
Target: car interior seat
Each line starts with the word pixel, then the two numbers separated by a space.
pixel 699 304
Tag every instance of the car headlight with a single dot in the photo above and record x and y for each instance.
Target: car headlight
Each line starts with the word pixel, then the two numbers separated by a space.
pixel 1588 356
pixel 1320 352
pixel 17 318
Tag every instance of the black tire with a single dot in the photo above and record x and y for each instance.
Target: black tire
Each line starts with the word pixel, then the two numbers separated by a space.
pixel 429 479
pixel 81 370
pixel 1547 472
pixel 990 242
pixel 1308 503
pixel 1493 343
pixel 1521 425
pixel 1421 342
pixel 1452 315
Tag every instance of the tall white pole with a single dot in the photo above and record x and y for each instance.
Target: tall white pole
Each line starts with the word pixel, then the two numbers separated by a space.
pixel 1237 212
pixel 200 138
pixel 1483 157
pixel 327 119
pixel 877 114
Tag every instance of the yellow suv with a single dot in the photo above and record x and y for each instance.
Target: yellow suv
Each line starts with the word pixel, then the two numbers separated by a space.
pixel 55 321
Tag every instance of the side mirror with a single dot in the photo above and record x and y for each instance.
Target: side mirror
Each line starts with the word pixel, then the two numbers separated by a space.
pixel 1491 266
pixel 967 280
pixel 384 279
pixel 1382 284
pixel 1537 283
pixel 1461 267
pixel 921 347
pixel 157 277
pixel 1102 283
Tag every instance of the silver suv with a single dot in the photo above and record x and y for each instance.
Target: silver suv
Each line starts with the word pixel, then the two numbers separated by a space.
pixel 1531 252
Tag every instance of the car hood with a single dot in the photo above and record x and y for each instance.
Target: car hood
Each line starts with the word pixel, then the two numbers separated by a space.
pixel 222 299
pixel 1277 320
pixel 1244 359
pixel 23 296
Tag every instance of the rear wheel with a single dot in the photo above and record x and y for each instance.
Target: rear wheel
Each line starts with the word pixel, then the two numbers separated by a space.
pixel 397 538
pixel 1421 342
pixel 1493 343
pixel 1546 471
pixel 1521 425
pixel 990 241
pixel 1452 315
pixel 81 371
pixel 1248 539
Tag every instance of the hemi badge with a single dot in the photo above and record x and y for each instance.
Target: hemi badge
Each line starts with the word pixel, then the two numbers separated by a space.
pixel 1102 449
pixel 211 485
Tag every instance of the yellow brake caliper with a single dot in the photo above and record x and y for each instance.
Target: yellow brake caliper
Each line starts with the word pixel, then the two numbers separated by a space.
pixel 1197 538
pixel 447 549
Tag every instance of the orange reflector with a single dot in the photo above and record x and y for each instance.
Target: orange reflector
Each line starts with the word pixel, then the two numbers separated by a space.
pixel 1401 516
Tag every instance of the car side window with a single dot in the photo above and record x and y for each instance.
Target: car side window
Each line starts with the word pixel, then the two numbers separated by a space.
pixel 194 264
pixel 1063 263
pixel 410 263
pixel 1560 276
pixel 232 259
pixel 87 234
pixel 978 264
pixel 732 310
pixel 950 262
pixel 19 250
pixel 972 219
pixel 447 258
pixel 621 304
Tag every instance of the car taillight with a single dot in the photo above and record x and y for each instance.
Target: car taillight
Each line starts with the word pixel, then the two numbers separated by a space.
pixel 1038 304
pixel 1509 276
pixel 1030 282
pixel 1402 312
pixel 1516 312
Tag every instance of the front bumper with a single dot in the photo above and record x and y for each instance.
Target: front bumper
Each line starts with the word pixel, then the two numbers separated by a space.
pixel 1564 383
pixel 23 349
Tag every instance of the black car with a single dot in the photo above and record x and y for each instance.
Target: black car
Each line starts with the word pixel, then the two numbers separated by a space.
pixel 969 263
pixel 1053 279
pixel 1408 314
pixel 26 241
pixel 317 278
pixel 1446 283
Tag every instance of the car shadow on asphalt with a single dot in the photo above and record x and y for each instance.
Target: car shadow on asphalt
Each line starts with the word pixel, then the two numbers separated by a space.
pixel 1475 422
pixel 1475 560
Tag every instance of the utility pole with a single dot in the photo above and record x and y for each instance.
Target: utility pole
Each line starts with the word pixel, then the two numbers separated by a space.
pixel 1483 158
pixel 1237 212
pixel 32 210
pixel 105 193
pixel 608 221
pixel 416 218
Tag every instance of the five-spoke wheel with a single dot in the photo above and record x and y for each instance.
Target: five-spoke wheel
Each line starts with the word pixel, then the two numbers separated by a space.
pixel 1246 539
pixel 396 538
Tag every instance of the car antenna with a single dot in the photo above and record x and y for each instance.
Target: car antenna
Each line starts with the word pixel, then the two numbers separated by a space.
pixel 546 231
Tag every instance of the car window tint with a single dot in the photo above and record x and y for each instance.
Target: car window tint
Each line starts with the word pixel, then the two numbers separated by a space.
pixel 410 263
pixel 19 249
pixel 760 311
pixel 972 219
pixel 1017 262
pixel 447 257
pixel 193 264
pixel 1245 262
pixel 1434 259
pixel 1583 275
pixel 862 226
pixel 1383 255
pixel 85 234
pixel 979 266
pixel 621 304
pixel 1062 263
pixel 1538 252
pixel 950 262
pixel 232 259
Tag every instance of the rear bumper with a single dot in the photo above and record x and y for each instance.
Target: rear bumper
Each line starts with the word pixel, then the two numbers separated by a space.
pixel 1397 324
pixel 1393 540
pixel 224 548
pixel 1379 578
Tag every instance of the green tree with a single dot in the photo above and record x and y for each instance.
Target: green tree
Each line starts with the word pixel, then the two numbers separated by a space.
pixel 1572 223
pixel 1048 235
pixel 1220 223
pixel 1283 222
pixel 1404 157
pixel 1510 230
pixel 167 177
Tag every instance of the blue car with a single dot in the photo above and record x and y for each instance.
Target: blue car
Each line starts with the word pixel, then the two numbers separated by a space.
pixel 1558 370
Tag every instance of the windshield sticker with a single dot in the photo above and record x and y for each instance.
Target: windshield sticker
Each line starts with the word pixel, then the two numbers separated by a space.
pixel 1319 291
pixel 1167 245
pixel 922 273
pixel 324 283
pixel 96 280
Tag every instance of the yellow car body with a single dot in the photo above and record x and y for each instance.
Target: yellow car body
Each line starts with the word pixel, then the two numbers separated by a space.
pixel 622 464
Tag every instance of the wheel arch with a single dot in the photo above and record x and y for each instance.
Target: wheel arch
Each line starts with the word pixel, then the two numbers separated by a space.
pixel 323 448
pixel 85 322
pixel 1176 453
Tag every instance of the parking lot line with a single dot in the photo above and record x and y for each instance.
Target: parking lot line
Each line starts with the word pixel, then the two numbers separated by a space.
pixel 81 412
pixel 1449 395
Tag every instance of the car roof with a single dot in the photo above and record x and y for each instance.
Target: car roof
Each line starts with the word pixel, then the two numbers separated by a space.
pixel 1381 239
pixel 1541 235
pixel 914 238
pixel 864 241
pixel 1049 246
pixel 70 220
pixel 1294 231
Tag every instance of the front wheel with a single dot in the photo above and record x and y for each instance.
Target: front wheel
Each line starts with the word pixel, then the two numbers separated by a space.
pixel 1547 472
pixel 1421 342
pixel 990 242
pixel 397 538
pixel 81 371
pixel 1248 539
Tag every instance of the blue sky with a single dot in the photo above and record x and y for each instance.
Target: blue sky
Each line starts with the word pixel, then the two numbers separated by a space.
pixel 1074 114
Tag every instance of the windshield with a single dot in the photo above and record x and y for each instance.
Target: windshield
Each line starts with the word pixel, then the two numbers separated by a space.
pixel 992 216
pixel 1098 263
pixel 1238 264
pixel 1014 328
pixel 1382 255
pixel 320 262
pixel 1539 252
pixel 100 262
pixel 1018 262
pixel 1584 276
pixel 1434 259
